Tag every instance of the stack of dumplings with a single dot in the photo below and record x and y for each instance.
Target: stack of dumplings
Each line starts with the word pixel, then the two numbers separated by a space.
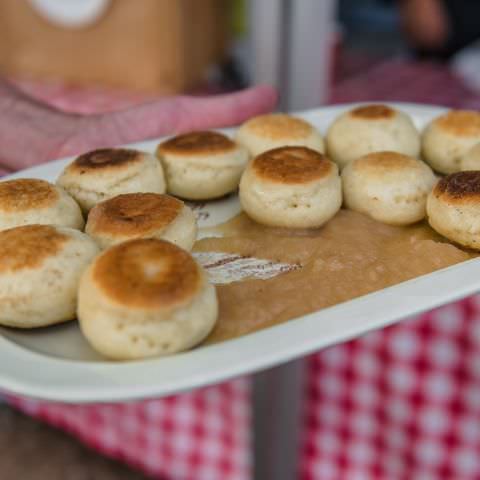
pixel 130 279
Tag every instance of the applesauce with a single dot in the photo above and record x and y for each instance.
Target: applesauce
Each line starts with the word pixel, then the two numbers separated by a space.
pixel 350 256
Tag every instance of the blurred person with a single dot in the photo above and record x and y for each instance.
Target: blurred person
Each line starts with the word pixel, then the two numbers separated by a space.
pixel 439 28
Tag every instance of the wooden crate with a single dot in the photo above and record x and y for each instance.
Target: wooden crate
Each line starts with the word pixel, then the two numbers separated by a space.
pixel 162 45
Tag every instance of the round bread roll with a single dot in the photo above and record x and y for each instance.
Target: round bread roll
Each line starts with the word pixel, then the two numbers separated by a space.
pixel 40 269
pixel 143 298
pixel 102 174
pixel 293 187
pixel 142 215
pixel 275 130
pixel 371 128
pixel 387 186
pixel 448 138
pixel 29 200
pixel 471 160
pixel 453 208
pixel 202 165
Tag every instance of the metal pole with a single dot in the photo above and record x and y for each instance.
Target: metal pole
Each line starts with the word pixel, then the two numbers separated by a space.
pixel 310 52
pixel 267 25
pixel 290 47
pixel 277 412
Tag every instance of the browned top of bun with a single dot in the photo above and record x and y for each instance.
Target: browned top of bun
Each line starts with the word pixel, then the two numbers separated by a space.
pixel 26 194
pixel 197 143
pixel 105 158
pixel 28 246
pixel 133 214
pixel 460 122
pixel 277 126
pixel 386 161
pixel 147 274
pixel 460 187
pixel 291 165
pixel 373 112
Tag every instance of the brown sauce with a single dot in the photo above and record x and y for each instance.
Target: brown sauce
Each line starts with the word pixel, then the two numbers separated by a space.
pixel 350 256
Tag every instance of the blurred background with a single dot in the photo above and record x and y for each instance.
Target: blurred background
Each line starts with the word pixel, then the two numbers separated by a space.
pixel 314 51
pixel 91 56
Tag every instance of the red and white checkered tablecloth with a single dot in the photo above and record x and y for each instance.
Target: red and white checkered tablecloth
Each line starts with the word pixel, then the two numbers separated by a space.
pixel 202 435
pixel 402 403
pixel 399 403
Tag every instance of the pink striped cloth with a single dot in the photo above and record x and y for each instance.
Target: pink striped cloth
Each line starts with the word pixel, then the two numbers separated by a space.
pixel 401 403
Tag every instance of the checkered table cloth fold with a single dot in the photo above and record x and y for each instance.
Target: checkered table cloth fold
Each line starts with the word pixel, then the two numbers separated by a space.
pixel 400 403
